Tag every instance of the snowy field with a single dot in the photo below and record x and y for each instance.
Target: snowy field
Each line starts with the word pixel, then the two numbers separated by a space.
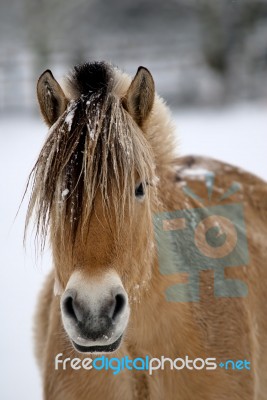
pixel 237 135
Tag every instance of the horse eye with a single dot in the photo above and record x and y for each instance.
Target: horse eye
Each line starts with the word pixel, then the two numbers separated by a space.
pixel 140 191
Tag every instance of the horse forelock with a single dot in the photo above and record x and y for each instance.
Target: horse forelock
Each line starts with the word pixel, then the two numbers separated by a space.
pixel 93 147
pixel 89 78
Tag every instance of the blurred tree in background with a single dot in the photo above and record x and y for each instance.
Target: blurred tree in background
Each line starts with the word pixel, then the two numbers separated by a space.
pixel 200 52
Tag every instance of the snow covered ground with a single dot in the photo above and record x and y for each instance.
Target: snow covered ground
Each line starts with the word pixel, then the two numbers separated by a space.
pixel 237 135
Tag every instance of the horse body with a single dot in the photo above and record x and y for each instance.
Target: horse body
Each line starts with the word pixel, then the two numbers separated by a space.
pixel 106 265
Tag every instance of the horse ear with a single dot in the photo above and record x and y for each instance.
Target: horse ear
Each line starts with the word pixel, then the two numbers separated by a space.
pixel 140 95
pixel 51 98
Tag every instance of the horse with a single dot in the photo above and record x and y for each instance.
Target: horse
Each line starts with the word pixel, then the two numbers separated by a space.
pixel 156 258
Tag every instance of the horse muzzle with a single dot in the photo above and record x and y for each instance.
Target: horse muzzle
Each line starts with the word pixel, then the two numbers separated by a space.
pixel 95 312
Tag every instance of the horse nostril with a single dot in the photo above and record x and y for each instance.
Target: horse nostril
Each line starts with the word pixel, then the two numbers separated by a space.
pixel 68 307
pixel 120 303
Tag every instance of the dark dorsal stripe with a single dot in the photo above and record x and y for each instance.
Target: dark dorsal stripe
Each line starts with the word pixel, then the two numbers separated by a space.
pixel 90 78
